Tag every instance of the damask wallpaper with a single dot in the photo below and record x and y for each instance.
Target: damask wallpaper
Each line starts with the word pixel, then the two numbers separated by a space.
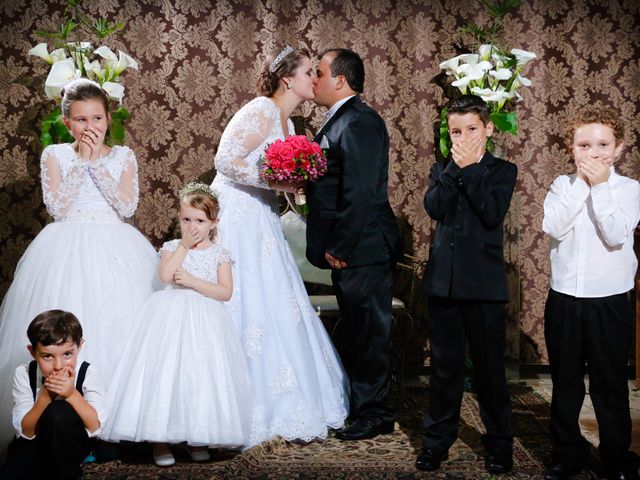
pixel 198 64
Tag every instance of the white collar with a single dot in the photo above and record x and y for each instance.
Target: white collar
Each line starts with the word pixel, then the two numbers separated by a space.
pixel 334 108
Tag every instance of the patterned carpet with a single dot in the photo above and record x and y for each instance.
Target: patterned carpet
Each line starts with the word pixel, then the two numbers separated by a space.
pixel 386 457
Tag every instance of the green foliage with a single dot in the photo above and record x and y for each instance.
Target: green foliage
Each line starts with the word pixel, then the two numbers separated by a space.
pixel 505 122
pixel 445 139
pixel 477 31
pixel 53 130
pixel 500 8
pixel 496 9
pixel 66 29
pixel 117 126
pixel 101 28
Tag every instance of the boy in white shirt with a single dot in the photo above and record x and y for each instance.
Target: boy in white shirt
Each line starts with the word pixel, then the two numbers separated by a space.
pixel 59 405
pixel 590 217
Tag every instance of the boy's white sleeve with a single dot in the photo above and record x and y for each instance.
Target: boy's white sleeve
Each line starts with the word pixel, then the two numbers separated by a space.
pixel 94 395
pixel 617 218
pixel 563 204
pixel 22 399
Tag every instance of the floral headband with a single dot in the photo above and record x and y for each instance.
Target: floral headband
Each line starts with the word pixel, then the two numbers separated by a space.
pixel 196 187
pixel 281 56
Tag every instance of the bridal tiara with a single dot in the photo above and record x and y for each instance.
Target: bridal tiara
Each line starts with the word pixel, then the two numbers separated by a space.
pixel 196 187
pixel 278 60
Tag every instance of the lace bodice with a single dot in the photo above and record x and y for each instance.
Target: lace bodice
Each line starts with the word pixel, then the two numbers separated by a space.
pixel 202 264
pixel 76 190
pixel 244 141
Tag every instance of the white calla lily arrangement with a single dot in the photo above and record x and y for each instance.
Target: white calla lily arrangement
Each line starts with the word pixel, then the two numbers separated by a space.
pixel 70 60
pixel 495 76
pixel 75 61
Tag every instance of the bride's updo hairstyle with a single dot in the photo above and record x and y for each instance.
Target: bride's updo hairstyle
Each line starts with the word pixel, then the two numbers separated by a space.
pixel 279 63
pixel 82 89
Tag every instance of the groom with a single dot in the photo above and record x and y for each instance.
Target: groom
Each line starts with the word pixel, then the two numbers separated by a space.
pixel 351 229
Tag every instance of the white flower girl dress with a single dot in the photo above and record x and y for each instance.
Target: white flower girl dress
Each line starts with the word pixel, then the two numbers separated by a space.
pixel 183 376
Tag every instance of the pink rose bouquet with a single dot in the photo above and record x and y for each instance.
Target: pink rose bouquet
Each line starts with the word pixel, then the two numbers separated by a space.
pixel 294 160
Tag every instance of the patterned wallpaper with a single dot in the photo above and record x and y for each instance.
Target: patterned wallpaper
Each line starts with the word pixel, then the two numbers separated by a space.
pixel 199 60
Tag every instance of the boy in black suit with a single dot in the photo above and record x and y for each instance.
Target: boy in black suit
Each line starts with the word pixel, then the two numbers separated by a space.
pixel 466 285
pixel 351 229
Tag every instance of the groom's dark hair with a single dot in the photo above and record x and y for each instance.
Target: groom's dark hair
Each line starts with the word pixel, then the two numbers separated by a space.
pixel 349 64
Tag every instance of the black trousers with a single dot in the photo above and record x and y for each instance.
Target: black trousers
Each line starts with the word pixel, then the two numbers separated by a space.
pixel 451 324
pixel 589 335
pixel 364 296
pixel 57 451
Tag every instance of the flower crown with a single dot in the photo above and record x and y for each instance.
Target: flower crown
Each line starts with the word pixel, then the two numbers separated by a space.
pixel 196 187
pixel 281 56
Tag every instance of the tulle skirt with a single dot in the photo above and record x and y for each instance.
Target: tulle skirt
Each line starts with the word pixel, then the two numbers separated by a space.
pixel 182 377
pixel 101 272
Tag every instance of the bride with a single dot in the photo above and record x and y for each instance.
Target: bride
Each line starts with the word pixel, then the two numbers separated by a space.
pixel 299 386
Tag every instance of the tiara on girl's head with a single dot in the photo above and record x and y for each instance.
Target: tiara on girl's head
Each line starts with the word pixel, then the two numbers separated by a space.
pixel 196 187
pixel 278 60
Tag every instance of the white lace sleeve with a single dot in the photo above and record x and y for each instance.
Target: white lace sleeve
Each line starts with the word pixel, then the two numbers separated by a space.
pixel 116 176
pixel 169 246
pixel 242 145
pixel 224 256
pixel 61 180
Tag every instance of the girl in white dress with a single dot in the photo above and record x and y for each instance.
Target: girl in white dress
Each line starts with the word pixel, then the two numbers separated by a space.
pixel 183 375
pixel 299 386
pixel 88 261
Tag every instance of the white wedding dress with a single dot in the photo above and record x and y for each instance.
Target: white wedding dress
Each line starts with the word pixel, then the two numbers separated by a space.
pixel 299 386
pixel 88 262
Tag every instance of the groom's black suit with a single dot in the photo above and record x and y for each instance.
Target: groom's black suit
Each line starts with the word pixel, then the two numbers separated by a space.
pixel 350 217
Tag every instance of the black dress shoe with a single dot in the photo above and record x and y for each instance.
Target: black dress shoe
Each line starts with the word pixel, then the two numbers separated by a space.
pixel 499 462
pixel 364 428
pixel 624 474
pixel 429 460
pixel 562 471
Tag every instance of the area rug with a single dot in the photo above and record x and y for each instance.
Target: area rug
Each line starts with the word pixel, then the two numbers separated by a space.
pixel 385 457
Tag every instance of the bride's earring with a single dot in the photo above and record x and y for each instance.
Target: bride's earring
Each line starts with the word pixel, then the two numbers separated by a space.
pixel 289 86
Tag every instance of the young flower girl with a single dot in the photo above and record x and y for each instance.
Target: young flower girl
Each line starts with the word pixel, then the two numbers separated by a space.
pixel 183 376
pixel 88 261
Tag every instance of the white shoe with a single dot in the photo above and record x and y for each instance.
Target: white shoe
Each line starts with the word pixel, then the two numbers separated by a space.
pixel 162 455
pixel 199 454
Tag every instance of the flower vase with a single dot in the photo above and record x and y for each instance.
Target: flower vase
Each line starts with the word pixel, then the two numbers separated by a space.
pixel 498 148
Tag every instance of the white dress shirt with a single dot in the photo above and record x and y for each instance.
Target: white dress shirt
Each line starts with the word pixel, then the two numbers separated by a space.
pixel 334 108
pixel 23 396
pixel 591 232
